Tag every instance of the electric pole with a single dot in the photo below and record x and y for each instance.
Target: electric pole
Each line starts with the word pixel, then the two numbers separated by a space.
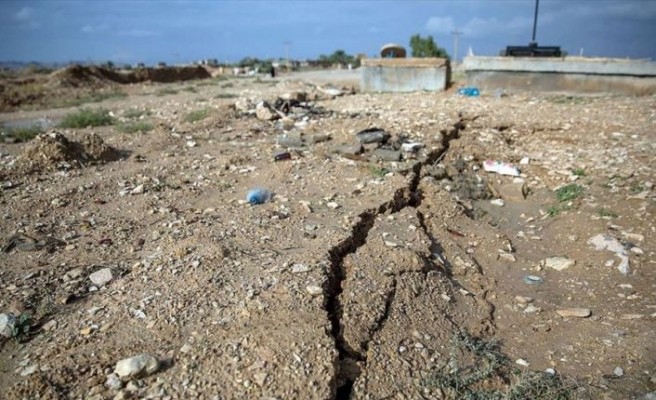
pixel 287 44
pixel 455 34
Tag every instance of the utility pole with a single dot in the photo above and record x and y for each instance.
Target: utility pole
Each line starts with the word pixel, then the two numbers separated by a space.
pixel 455 34
pixel 535 22
pixel 287 44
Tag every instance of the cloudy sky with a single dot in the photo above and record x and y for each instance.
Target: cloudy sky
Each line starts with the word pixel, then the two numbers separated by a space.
pixel 184 30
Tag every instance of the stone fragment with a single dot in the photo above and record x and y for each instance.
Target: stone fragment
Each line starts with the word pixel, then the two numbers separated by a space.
pixel 513 191
pixel 102 277
pixel 574 312
pixel 387 155
pixel 7 323
pixel 314 290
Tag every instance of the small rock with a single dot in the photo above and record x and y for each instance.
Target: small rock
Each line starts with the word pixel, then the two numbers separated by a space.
pixel 513 191
pixel 29 370
pixel 633 236
pixel 138 189
pixel 102 277
pixel 86 331
pixel 7 323
pixel 264 112
pixel 300 268
pixel 411 147
pixel 186 348
pixel 349 150
pixel 314 290
pixel 524 161
pixel 113 382
pixel 333 205
pixel 522 362
pixel 559 263
pixel 260 378
pixel 631 316
pixel 387 155
pixel 618 371
pixel 574 312
pixel 523 299
pixel 531 309
pixel 52 324
pixel 507 257
pixel 497 202
pixel 137 366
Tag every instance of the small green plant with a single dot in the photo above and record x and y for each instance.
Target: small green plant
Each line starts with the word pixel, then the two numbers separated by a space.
pixel 604 212
pixel 133 127
pixel 165 91
pixel 23 133
pixel 87 117
pixel 552 211
pixel 578 171
pixel 197 115
pixel 22 327
pixel 190 89
pixel 379 172
pixel 569 192
pixel 636 188
pixel 135 113
pixel 225 96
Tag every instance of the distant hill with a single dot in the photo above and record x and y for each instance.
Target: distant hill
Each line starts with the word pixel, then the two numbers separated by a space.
pixel 14 65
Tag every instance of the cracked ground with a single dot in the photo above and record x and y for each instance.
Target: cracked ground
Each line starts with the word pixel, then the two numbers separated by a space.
pixel 352 282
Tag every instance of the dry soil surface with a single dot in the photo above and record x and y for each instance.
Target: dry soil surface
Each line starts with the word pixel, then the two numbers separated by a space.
pixel 361 278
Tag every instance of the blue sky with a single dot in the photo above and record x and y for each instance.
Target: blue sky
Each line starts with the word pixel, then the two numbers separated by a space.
pixel 185 30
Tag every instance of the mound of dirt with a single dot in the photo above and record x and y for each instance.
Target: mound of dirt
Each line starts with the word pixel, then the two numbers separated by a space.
pixel 77 76
pixel 54 150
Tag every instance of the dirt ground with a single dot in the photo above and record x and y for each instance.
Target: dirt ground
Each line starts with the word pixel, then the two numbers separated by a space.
pixel 361 278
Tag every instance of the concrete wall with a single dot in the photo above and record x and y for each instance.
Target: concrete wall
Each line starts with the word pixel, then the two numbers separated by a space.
pixel 404 74
pixel 575 74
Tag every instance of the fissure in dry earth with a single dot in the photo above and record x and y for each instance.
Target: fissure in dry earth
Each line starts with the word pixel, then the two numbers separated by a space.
pixel 358 238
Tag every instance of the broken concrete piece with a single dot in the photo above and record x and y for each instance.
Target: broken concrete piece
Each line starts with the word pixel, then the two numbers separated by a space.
pixel 607 242
pixel 559 263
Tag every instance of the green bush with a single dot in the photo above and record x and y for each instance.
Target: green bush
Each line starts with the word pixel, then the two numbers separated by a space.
pixel 23 133
pixel 132 127
pixel 197 115
pixel 87 117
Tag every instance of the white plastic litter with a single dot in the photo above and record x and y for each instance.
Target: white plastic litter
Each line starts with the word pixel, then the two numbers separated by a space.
pixel 500 168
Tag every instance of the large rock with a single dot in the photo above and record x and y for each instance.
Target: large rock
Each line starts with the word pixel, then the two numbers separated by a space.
pixel 137 367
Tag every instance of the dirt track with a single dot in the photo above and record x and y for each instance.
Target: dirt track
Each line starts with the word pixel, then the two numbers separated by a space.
pixel 358 276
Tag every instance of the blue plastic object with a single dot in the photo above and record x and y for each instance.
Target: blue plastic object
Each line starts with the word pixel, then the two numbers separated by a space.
pixel 258 196
pixel 469 91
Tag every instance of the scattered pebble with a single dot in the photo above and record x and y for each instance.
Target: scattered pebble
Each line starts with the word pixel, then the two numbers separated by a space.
pixel 102 277
pixel 137 367
pixel 574 312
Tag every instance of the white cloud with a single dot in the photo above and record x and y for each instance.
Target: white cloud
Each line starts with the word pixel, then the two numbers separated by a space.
pixel 137 33
pixel 443 25
pixel 94 28
pixel 24 14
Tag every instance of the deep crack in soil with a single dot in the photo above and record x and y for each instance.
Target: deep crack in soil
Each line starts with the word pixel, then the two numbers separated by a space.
pixel 358 238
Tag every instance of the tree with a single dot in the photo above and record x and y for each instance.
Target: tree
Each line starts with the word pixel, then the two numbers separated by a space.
pixel 426 47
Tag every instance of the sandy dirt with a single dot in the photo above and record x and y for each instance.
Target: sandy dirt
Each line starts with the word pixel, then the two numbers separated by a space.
pixel 361 278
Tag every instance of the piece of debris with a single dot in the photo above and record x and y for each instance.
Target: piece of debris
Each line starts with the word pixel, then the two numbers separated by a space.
pixel 372 135
pixel 574 312
pixel 607 242
pixel 559 263
pixel 500 168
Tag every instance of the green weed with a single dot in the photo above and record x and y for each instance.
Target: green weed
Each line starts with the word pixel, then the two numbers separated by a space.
pixel 603 212
pixel 135 113
pixel 133 127
pixel 636 188
pixel 197 115
pixel 87 117
pixel 578 172
pixel 165 91
pixel 569 192
pixel 379 172
pixel 23 133
pixel 22 327
pixel 488 376
pixel 225 96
